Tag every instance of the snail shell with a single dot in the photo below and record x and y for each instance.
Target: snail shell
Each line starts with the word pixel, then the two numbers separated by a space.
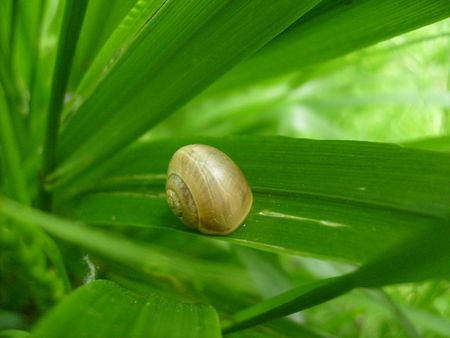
pixel 207 190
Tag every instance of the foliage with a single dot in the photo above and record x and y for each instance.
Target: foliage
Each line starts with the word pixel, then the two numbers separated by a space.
pixel 337 116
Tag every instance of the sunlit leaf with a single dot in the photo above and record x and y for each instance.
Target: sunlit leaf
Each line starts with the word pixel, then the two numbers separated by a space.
pixel 159 80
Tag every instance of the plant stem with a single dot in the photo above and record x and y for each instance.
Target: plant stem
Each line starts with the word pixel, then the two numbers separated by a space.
pixel 74 11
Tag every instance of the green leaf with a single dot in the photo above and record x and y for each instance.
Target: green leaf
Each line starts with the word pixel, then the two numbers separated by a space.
pixel 5 24
pixel 340 199
pixel 226 302
pixel 289 302
pixel 40 93
pixel 96 32
pixel 441 143
pixel 115 47
pixel 73 18
pixel 148 259
pixel 160 80
pixel 104 309
pixel 333 29
pixel 11 161
pixel 423 257
pixel 12 99
pixel 36 13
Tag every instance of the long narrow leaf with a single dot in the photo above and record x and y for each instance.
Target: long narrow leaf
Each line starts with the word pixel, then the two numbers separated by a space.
pixel 95 32
pixel 10 155
pixel 74 11
pixel 116 47
pixel 159 80
pixel 288 302
pixel 147 259
pixel 332 30
pixel 339 199
pixel 423 257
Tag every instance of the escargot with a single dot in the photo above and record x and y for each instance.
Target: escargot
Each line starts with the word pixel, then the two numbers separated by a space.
pixel 207 190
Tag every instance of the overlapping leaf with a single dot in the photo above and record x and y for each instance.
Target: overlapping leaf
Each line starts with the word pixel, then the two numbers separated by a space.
pixel 179 52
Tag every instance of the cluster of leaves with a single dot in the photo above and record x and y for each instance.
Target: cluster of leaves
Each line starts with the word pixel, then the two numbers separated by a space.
pixel 86 236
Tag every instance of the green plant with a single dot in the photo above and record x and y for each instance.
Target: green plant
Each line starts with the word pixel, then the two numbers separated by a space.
pixel 89 247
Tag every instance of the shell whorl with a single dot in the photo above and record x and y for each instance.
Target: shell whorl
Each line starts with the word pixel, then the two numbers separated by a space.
pixel 181 202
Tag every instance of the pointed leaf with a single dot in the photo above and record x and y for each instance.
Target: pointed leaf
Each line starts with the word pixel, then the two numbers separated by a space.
pixel 197 41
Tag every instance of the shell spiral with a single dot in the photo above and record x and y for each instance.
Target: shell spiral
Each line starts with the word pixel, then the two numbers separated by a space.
pixel 180 200
pixel 207 190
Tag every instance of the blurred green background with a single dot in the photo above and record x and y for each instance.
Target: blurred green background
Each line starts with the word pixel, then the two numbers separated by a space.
pixel 394 91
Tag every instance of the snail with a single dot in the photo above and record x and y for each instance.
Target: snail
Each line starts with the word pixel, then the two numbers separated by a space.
pixel 207 190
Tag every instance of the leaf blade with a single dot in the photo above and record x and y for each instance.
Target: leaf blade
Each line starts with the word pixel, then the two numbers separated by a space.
pixel 153 315
pixel 176 72
pixel 306 199
pixel 332 30
pixel 73 18
pixel 423 257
